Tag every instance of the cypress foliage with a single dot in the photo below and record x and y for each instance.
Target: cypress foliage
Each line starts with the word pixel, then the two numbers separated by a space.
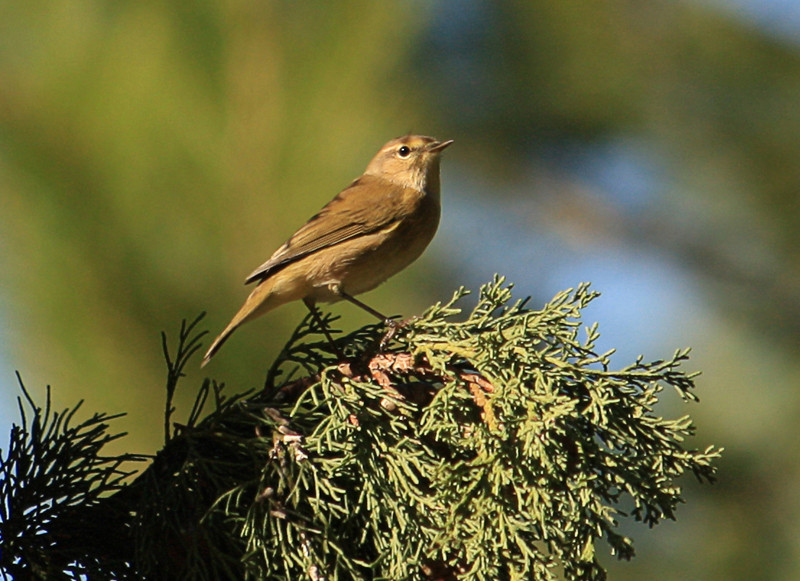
pixel 496 445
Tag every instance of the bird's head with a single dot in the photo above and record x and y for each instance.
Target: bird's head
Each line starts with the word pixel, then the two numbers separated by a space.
pixel 411 161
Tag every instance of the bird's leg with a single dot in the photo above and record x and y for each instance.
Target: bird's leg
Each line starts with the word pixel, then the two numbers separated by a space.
pixel 392 325
pixel 393 328
pixel 389 322
pixel 315 315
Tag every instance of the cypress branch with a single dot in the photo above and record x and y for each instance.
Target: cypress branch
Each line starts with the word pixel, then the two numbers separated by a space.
pixel 499 445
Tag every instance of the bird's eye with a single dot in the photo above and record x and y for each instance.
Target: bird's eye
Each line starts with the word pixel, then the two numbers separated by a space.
pixel 404 151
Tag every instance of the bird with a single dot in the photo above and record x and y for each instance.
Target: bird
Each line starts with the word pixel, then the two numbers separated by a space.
pixel 370 231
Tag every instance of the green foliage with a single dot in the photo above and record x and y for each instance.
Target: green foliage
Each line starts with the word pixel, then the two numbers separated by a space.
pixel 497 446
pixel 53 480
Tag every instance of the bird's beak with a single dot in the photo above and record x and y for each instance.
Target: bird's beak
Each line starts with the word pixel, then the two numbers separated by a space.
pixel 439 145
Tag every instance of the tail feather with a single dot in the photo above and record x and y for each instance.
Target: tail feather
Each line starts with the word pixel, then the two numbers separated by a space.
pixel 259 302
pixel 218 343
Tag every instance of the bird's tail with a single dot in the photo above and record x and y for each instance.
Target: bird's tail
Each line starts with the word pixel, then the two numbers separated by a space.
pixel 218 342
pixel 259 302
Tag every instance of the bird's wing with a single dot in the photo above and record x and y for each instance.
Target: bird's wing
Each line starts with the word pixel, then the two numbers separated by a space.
pixel 349 215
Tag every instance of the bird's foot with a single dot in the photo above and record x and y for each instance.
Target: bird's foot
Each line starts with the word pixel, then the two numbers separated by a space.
pixel 392 326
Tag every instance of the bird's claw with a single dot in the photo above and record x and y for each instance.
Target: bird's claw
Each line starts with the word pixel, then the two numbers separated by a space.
pixel 392 327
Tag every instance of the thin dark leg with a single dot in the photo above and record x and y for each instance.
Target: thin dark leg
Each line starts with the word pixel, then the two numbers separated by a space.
pixel 367 308
pixel 315 314
pixel 392 325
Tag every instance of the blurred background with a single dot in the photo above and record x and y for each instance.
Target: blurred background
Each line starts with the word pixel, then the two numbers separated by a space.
pixel 153 153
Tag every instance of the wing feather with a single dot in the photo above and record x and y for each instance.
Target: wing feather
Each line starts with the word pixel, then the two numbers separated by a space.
pixel 349 215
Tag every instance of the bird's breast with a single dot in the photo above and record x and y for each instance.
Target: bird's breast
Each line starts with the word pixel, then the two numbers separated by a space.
pixel 361 264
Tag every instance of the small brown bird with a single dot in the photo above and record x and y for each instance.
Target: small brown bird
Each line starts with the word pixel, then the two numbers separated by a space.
pixel 372 230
